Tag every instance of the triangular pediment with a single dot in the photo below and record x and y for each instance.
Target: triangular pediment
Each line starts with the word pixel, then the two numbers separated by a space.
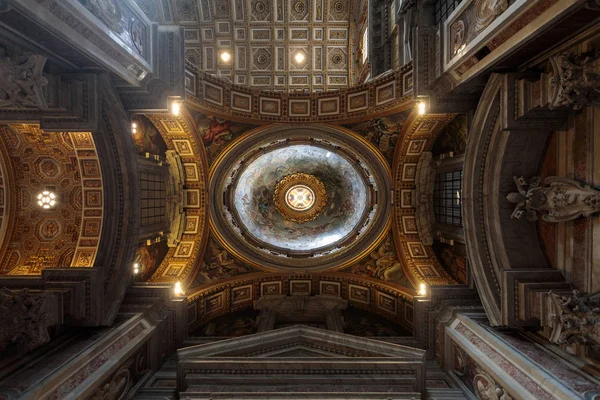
pixel 296 357
pixel 301 341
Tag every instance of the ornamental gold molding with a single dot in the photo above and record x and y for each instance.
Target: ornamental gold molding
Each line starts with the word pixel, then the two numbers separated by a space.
pixel 308 207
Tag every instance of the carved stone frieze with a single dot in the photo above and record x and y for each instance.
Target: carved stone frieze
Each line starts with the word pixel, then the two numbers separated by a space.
pixel 561 199
pixel 576 79
pixel 25 318
pixel 576 319
pixel 21 81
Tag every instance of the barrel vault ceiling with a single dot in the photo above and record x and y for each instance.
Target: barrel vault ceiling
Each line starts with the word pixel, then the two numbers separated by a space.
pixel 263 38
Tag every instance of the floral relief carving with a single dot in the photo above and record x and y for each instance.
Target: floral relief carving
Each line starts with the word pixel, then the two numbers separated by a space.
pixel 486 11
pixel 24 318
pixel 21 81
pixel 576 79
pixel 576 319
pixel 561 199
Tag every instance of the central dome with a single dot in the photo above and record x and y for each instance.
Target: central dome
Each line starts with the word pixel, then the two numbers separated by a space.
pixel 289 197
pixel 264 206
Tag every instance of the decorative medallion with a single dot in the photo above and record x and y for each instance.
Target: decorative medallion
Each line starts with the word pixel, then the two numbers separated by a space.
pixel 136 31
pixel 487 11
pixel 300 197
pixel 108 11
pixel 458 35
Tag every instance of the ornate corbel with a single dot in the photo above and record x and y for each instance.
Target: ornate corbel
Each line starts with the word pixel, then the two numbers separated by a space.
pixel 21 81
pixel 25 317
pixel 575 80
pixel 575 319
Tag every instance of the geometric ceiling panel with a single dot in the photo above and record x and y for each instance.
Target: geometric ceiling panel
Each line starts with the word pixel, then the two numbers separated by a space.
pixel 279 45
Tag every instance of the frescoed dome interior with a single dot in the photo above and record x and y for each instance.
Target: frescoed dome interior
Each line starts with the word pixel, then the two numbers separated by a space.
pixel 348 198
pixel 342 175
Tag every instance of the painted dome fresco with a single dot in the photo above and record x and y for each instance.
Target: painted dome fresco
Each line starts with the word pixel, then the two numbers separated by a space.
pixel 300 197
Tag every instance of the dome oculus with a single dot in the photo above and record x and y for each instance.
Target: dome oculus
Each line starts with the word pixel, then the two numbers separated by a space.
pixel 300 197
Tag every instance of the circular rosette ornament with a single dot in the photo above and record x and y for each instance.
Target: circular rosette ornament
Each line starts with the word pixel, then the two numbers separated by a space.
pixel 300 197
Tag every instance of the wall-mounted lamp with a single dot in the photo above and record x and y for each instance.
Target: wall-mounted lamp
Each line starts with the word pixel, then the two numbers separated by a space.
pixel 422 289
pixel 421 108
pixel 136 268
pixel 178 289
pixel 175 108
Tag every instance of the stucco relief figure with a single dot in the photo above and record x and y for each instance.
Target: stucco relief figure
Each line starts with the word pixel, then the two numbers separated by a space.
pixel 383 264
pixel 560 199
pixel 21 82
pixel 219 264
pixel 576 319
pixel 576 79
pixel 486 11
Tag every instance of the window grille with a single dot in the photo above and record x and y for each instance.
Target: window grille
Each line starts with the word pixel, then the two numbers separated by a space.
pixel 154 198
pixel 443 8
pixel 447 198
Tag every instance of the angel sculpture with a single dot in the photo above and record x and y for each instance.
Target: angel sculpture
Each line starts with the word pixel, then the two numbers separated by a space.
pixel 561 199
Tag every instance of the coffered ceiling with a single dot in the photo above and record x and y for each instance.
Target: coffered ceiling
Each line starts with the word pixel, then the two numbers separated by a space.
pixel 263 38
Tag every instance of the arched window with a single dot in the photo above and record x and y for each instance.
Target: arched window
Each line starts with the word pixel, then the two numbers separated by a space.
pixel 447 198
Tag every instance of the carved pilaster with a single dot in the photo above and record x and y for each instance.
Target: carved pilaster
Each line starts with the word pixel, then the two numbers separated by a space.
pixel 25 317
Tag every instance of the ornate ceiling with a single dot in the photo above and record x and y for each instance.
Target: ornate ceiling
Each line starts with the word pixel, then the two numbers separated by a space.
pixel 259 225
pixel 263 38
pixel 66 164
pixel 260 242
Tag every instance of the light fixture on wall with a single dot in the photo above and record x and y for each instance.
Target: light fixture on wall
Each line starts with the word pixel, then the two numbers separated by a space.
pixel 177 289
pixel 421 108
pixel 225 56
pixel 299 57
pixel 175 108
pixel 136 268
pixel 134 128
pixel 46 199
pixel 422 289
